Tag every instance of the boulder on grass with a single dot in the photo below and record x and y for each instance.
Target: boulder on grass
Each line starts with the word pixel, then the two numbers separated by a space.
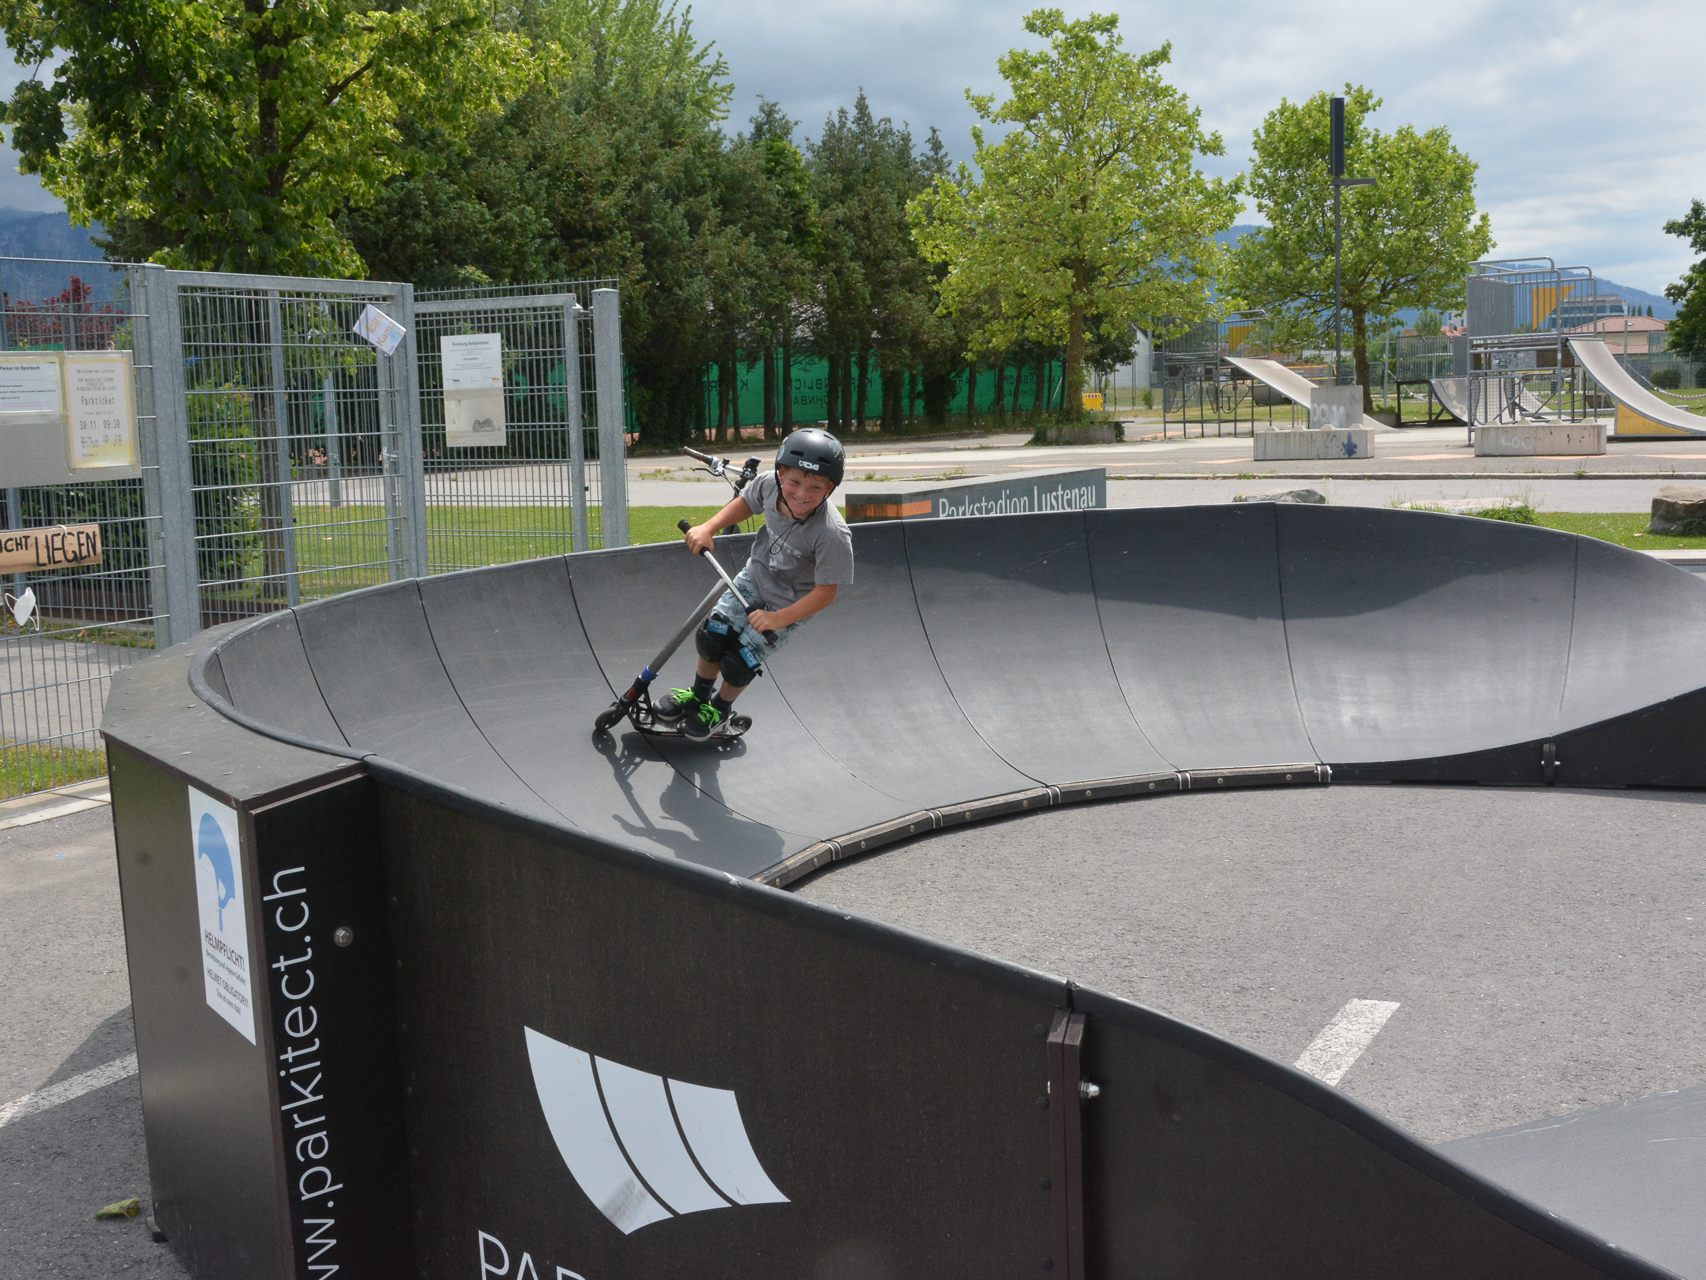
pixel 1284 495
pixel 1679 510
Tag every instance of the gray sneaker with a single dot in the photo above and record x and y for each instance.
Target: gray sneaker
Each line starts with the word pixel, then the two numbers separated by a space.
pixel 675 704
pixel 700 724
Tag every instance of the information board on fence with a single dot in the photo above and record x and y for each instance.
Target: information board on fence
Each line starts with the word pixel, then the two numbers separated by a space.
pixel 1069 490
pixel 473 390
pixel 48 550
pixel 67 416
pixel 100 410
pixel 29 383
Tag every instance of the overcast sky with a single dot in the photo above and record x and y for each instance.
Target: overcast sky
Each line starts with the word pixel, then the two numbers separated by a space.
pixel 1583 117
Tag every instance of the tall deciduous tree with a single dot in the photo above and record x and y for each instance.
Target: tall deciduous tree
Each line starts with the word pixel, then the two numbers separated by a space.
pixel 230 133
pixel 611 165
pixel 1091 210
pixel 1408 240
pixel 1688 330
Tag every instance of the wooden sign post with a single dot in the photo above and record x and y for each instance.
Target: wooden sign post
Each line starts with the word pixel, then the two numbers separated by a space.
pixel 50 549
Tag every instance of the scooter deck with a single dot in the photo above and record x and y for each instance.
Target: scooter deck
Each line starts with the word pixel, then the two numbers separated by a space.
pixel 728 731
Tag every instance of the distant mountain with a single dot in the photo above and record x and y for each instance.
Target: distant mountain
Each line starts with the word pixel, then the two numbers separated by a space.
pixel 1640 300
pixel 1637 299
pixel 45 235
pixel 25 235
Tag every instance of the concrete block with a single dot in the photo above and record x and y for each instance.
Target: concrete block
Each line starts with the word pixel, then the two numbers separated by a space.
pixel 1309 444
pixel 1335 408
pixel 1539 439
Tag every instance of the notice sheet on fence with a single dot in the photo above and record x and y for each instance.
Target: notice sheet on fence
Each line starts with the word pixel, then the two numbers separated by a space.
pixel 29 383
pixel 473 390
pixel 100 403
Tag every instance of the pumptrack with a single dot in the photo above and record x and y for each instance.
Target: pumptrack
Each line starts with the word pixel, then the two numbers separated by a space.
pixel 617 892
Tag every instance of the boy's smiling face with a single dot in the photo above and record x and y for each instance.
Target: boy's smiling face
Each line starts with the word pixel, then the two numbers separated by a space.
pixel 803 492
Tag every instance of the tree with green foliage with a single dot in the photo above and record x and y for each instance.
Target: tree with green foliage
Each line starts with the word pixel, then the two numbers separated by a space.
pixel 611 165
pixel 771 198
pixel 1408 239
pixel 1091 210
pixel 1688 331
pixel 230 134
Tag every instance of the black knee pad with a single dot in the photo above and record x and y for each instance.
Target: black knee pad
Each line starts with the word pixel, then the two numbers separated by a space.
pixel 739 665
pixel 714 638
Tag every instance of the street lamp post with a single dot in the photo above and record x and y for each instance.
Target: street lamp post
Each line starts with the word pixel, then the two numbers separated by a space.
pixel 1336 162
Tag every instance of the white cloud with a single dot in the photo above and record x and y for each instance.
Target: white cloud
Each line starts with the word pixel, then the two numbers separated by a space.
pixel 1564 105
pixel 1567 106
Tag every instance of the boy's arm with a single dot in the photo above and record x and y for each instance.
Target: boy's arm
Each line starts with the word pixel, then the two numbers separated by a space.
pixel 817 599
pixel 700 536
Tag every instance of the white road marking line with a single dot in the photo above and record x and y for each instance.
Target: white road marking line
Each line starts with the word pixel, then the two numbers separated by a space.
pixel 57 1094
pixel 1336 1049
pixel 48 814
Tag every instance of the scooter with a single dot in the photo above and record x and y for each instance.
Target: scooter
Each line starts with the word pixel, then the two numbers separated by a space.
pixel 636 703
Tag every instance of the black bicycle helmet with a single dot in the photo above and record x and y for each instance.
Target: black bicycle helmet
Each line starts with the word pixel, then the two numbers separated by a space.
pixel 814 449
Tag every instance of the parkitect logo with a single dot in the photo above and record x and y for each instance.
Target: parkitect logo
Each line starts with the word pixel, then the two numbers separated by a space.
pixel 644 1148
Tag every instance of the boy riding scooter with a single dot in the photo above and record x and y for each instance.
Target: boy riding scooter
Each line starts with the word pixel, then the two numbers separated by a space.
pixel 800 559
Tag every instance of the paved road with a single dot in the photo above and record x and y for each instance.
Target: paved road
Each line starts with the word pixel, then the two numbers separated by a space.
pixel 1425 464
pixel 65 1011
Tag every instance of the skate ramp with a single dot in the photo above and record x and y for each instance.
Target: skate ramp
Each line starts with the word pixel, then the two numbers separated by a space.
pixel 1453 396
pixel 1639 412
pixel 608 891
pixel 1290 384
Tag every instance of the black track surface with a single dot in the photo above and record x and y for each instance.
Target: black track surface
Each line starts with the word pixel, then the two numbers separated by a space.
pixel 980 666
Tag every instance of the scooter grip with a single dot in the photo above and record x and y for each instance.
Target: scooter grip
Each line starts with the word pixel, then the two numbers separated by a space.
pixel 684 524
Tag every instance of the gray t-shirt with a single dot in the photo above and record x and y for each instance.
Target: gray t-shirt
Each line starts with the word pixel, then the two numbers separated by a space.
pixel 790 557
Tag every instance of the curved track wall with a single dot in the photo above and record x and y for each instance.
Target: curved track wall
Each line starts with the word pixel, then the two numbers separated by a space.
pixel 614 1048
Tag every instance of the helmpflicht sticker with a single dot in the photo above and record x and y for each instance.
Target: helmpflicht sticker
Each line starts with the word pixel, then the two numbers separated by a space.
pixel 224 917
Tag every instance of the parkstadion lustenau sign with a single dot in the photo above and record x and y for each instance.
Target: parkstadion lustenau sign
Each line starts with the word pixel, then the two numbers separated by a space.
pixel 1026 494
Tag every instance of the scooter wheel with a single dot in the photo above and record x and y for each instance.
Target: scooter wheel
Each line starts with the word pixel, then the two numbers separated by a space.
pixel 608 717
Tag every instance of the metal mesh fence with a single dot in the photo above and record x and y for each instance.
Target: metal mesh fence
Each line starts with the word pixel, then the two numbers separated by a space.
pixel 284 458
pixel 65 630
pixel 512 470
pixel 293 432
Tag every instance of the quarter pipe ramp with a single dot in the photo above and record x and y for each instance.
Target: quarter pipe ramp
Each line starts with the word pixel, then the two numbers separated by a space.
pixel 1289 383
pixel 1639 411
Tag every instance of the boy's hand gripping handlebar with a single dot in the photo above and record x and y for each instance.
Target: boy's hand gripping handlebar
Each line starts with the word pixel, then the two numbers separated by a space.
pixel 684 525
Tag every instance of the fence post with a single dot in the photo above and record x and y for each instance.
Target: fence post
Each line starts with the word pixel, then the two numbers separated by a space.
pixel 612 424
pixel 580 532
pixel 407 471
pixel 180 616
pixel 282 526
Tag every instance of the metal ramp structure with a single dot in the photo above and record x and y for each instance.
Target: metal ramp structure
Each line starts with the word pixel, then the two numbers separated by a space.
pixel 1640 413
pixel 1290 384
